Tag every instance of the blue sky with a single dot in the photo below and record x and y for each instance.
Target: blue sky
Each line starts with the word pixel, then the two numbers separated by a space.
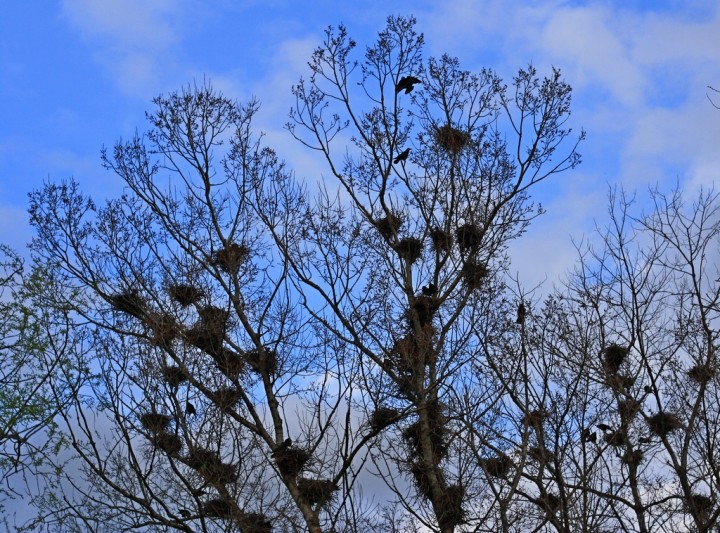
pixel 76 75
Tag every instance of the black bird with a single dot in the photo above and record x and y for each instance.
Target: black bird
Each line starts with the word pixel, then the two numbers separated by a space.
pixel 588 436
pixel 521 314
pixel 604 427
pixel 645 440
pixel 184 513
pixel 648 389
pixel 190 408
pixel 406 83
pixel 284 445
pixel 430 289
pixel 402 156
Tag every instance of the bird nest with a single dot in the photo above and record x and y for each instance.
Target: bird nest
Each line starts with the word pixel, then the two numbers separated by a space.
pixel 442 240
pixel 219 508
pixel 438 435
pixel 155 422
pixel 164 329
pixel 474 274
pixel 613 357
pixel 469 237
pixel 701 374
pixel 412 350
pixel 167 442
pixel 498 466
pixel 550 502
pixel 264 362
pixel 129 302
pixel 389 226
pixel 214 318
pixel 702 504
pixel 628 409
pixel 423 308
pixel 209 465
pixel 291 460
pixel 409 249
pixel 254 523
pixel 451 511
pixel 227 398
pixel 230 258
pixel 451 139
pixel 616 438
pixel 663 423
pixel 230 364
pixel 633 458
pixel 174 375
pixel 534 418
pixel 317 491
pixel 619 382
pixel 541 455
pixel 419 473
pixel 185 295
pixel 383 417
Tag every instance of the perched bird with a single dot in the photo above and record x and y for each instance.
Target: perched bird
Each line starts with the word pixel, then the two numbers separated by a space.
pixel 588 436
pixel 284 445
pixel 430 289
pixel 184 513
pixel 402 156
pixel 604 427
pixel 190 408
pixel 645 440
pixel 648 389
pixel 521 311
pixel 406 83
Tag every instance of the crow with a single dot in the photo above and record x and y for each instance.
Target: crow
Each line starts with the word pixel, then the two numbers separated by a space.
pixel 604 427
pixel 190 408
pixel 648 389
pixel 588 436
pixel 407 83
pixel 430 289
pixel 521 311
pixel 284 445
pixel 184 513
pixel 402 156
pixel 645 440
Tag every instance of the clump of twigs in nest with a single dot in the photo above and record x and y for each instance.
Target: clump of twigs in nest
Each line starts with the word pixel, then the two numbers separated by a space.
pixel 452 512
pixel 437 435
pixel 167 442
pixel 419 472
pixel 185 295
pixel 498 466
pixel 291 461
pixel 209 333
pixel 469 237
pixel 155 422
pixel 616 438
pixel 174 375
pixel 209 465
pixel 230 258
pixel 534 418
pixel 474 274
pixel 550 502
pixel 628 409
pixel 389 226
pixel 129 302
pixel 442 240
pixel 613 357
pixel 701 373
pixel 663 423
pixel 263 361
pixel 255 523
pixel 451 139
pixel 424 308
pixel 164 329
pixel 541 455
pixel 619 382
pixel 406 352
pixel 383 417
pixel 230 364
pixel 226 399
pixel 218 508
pixel 702 504
pixel 409 249
pixel 633 458
pixel 214 318
pixel 317 491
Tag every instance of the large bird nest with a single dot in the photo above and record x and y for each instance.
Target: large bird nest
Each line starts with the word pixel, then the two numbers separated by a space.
pixel 155 422
pixel 184 294
pixel 209 465
pixel 442 240
pixel 263 361
pixel 230 258
pixel 541 455
pixel 226 398
pixel 534 418
pixel 291 460
pixel 451 139
pixel 550 502
pixel 628 409
pixel 219 508
pixel 702 504
pixel 129 302
pixel 389 226
pixel 419 473
pixel 423 308
pixel 619 382
pixel 164 329
pixel 452 513
pixel 174 375
pixel 407 352
pixel 633 458
pixel 214 318
pixel 663 423
pixel 254 523
pixel 383 417
pixel 317 491
pixel 469 237
pixel 409 249
pixel 230 364
pixel 412 435
pixel 474 274
pixel 613 357
pixel 498 466
pixel 169 443
pixel 701 374
pixel 616 438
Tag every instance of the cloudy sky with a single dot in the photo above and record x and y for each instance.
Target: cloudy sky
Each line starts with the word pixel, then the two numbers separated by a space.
pixel 76 75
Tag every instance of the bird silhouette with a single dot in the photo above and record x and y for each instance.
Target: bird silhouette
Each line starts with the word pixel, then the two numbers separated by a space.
pixel 588 435
pixel 648 389
pixel 184 513
pixel 190 408
pixel 645 440
pixel 521 311
pixel 402 156
pixel 406 83
pixel 284 445
pixel 604 427
pixel 430 289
